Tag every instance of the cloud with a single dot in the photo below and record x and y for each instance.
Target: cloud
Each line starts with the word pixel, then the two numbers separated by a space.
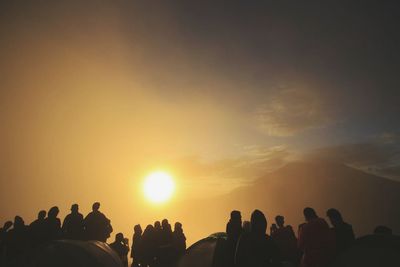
pixel 290 111
pixel 222 176
pixel 379 155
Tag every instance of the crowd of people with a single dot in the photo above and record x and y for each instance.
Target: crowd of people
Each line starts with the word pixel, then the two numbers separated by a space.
pixel 157 245
pixel 19 241
pixel 247 243
pixel 316 245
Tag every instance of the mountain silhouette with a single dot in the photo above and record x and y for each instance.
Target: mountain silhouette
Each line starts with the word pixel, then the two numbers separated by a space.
pixel 365 200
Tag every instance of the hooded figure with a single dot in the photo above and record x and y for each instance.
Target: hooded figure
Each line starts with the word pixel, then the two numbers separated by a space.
pixel 256 249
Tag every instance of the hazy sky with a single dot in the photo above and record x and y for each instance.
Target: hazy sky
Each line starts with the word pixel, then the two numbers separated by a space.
pixel 96 94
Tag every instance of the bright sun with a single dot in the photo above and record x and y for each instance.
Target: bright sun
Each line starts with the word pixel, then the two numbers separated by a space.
pixel 158 187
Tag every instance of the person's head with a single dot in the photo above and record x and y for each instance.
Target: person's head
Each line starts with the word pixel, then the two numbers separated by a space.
pixel 96 206
pixel 119 237
pixel 148 230
pixel 74 208
pixel 258 222
pixel 157 225
pixel 53 212
pixel 7 225
pixel 137 229
pixel 42 214
pixel 334 216
pixel 280 220
pixel 309 214
pixel 236 216
pixel 18 222
pixel 178 227
pixel 165 224
pixel 382 230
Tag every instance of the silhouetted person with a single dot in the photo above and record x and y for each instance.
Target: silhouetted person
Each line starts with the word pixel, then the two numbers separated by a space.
pixel 37 229
pixel 256 249
pixel 121 247
pixel 382 230
pixel 52 225
pixel 315 240
pixel 178 241
pixel 233 231
pixel 17 243
pixel 165 251
pixel 285 240
pixel 3 239
pixel 97 225
pixel 344 235
pixel 73 227
pixel 148 246
pixel 136 251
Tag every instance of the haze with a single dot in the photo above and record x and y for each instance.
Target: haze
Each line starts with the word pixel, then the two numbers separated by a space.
pixel 95 95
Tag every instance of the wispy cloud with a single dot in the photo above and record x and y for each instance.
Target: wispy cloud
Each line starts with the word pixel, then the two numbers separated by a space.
pixel 292 110
pixel 379 155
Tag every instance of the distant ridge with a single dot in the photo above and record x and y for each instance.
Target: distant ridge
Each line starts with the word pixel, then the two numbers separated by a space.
pixel 365 200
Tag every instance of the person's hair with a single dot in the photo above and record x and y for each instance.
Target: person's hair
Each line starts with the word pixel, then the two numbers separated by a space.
pixel 235 214
pixel 137 228
pixel 119 236
pixel 96 206
pixel 74 207
pixel 334 214
pixel 258 222
pixel 53 212
pixel 279 219
pixel 42 214
pixel 309 213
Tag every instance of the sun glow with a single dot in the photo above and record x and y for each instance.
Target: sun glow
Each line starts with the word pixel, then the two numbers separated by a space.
pixel 158 187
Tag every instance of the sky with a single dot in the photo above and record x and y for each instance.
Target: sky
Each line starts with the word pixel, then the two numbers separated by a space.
pixel 95 95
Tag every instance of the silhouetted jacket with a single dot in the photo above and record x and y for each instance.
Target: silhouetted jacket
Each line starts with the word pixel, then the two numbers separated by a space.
pixel 97 226
pixel 317 242
pixel 255 250
pixel 122 250
pixel 73 227
pixel 179 243
pixel 286 242
pixel 136 252
pixel 52 228
pixel 37 232
pixel 344 236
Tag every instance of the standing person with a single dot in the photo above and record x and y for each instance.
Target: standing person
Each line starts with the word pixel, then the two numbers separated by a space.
pixel 17 243
pixel 97 225
pixel 343 231
pixel 121 247
pixel 52 224
pixel 165 251
pixel 256 249
pixel 73 227
pixel 3 237
pixel 178 241
pixel 37 229
pixel 315 240
pixel 285 240
pixel 136 251
pixel 233 231
pixel 148 247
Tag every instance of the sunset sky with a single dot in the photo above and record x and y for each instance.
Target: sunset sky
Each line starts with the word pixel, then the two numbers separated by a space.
pixel 94 95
